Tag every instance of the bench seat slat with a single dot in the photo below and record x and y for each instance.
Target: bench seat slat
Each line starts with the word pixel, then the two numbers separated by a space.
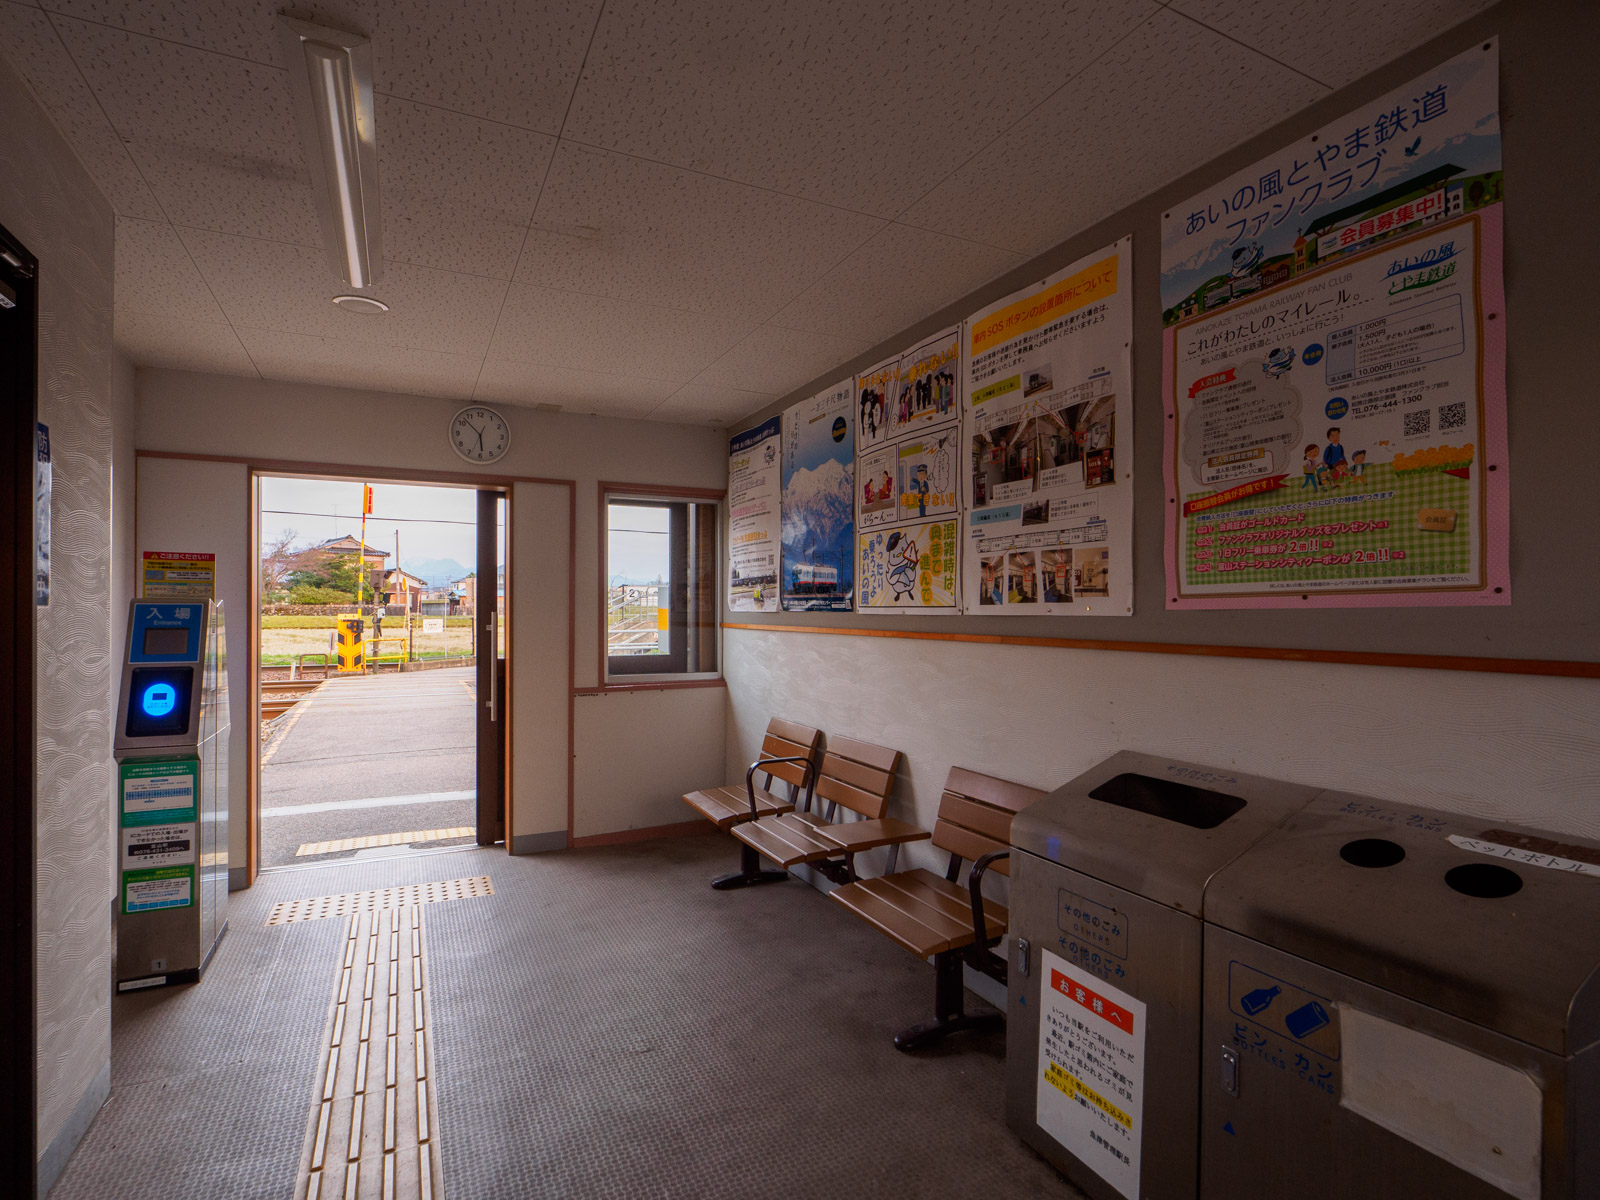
pixel 855 836
pixel 914 932
pixel 784 840
pixel 950 899
pixel 726 807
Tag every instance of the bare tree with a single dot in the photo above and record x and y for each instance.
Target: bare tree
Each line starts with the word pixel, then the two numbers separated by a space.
pixel 278 559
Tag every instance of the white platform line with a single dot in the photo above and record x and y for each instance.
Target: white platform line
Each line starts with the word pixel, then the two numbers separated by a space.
pixel 295 810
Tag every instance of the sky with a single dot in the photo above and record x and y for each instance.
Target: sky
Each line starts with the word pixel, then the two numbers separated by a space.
pixel 433 522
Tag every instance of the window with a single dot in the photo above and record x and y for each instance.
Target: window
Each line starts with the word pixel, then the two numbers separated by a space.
pixel 660 591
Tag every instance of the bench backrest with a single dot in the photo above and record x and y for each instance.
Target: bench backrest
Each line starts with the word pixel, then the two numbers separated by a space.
pixel 785 739
pixel 975 815
pixel 858 775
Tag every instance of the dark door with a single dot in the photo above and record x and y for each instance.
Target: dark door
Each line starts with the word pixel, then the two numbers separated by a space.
pixel 491 674
pixel 19 452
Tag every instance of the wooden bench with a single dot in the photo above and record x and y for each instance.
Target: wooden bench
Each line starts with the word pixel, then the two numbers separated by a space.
pixel 950 922
pixel 789 753
pixel 854 775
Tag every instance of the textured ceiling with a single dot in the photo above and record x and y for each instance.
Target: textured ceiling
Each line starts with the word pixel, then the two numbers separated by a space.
pixel 646 208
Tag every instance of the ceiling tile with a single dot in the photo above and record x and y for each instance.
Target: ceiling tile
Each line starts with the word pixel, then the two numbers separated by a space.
pixel 39 57
pixel 1370 32
pixel 458 192
pixel 901 276
pixel 243 28
pixel 515 63
pixel 1168 99
pixel 595 333
pixel 861 105
pixel 289 289
pixel 152 340
pixel 697 403
pixel 575 391
pixel 261 192
pixel 299 358
pixel 775 361
pixel 612 225
pixel 156 276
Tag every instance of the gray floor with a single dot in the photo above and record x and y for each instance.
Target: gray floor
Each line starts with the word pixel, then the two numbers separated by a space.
pixel 397 737
pixel 605 1025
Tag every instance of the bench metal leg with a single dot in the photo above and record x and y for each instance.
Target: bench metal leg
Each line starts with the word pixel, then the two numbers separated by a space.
pixel 749 872
pixel 949 1001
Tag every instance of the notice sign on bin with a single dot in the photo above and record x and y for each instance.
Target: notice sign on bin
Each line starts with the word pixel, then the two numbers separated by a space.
pixel 1091 1071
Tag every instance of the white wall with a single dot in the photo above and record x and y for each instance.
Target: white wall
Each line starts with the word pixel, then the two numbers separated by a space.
pixel 49 202
pixel 186 413
pixel 1517 748
pixel 672 742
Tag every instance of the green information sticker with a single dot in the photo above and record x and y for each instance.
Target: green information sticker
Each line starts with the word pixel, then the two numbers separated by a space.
pixel 159 887
pixel 157 791
pixel 996 389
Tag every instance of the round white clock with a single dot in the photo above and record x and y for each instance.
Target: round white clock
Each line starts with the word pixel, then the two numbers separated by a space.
pixel 479 435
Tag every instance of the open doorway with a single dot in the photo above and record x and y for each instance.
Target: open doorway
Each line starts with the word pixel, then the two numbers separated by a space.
pixel 381 642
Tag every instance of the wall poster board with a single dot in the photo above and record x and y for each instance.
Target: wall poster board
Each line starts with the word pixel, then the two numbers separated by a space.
pixel 908 479
pixel 754 518
pixel 1334 363
pixel 1048 427
pixel 819 524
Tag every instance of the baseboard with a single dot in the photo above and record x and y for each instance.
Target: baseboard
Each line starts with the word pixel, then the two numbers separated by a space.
pixel 648 833
pixel 54 1159
pixel 539 843
pixel 238 879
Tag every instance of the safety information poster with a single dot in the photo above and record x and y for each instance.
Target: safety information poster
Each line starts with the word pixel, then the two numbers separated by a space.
pixel 908 479
pixel 159 791
pixel 1048 430
pixel 1091 1071
pixel 819 526
pixel 753 517
pixel 175 575
pixel 1334 363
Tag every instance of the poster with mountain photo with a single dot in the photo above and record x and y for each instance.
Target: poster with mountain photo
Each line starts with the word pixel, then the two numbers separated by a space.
pixel 819 526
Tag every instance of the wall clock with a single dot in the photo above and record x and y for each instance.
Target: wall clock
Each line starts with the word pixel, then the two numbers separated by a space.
pixel 479 435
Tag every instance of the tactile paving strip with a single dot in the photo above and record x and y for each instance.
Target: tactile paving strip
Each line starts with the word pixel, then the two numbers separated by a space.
pixel 317 908
pixel 385 839
pixel 373 1130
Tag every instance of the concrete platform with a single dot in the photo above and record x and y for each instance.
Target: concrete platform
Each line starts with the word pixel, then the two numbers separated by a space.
pixel 367 755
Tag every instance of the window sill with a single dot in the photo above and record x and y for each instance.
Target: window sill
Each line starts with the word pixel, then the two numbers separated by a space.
pixel 656 685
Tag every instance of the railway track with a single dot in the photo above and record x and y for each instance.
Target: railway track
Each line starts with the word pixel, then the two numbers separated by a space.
pixel 278 696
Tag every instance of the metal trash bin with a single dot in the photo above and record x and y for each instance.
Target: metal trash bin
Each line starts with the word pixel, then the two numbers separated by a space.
pixel 1103 1033
pixel 1402 1003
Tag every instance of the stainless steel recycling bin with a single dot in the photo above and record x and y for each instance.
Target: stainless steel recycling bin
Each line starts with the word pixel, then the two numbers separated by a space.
pixel 1402 1003
pixel 1103 1035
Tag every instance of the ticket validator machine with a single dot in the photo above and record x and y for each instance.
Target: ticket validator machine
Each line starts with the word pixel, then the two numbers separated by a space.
pixel 172 793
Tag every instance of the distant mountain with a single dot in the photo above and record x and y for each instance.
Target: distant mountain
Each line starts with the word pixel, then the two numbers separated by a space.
pixel 818 505
pixel 437 571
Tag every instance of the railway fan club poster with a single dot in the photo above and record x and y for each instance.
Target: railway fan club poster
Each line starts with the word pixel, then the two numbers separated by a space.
pixel 753 517
pixel 1047 438
pixel 1334 363
pixel 908 479
pixel 819 526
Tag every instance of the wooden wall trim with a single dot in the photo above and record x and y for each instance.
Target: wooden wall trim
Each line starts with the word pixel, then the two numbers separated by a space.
pixel 1365 658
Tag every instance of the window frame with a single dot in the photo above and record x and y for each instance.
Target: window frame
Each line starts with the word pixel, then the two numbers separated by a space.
pixel 703 597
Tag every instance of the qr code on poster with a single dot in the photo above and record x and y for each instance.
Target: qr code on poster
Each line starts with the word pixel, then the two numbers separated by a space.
pixel 1452 416
pixel 1418 422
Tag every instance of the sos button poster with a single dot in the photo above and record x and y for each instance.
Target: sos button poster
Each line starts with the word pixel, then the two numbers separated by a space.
pixel 1334 363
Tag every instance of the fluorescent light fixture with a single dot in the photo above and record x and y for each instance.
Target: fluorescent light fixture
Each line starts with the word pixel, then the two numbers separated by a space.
pixel 330 77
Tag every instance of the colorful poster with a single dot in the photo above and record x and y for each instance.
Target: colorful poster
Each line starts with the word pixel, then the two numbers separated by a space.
pixel 175 575
pixel 1048 434
pixel 819 528
pixel 1090 1091
pixel 908 480
pixel 1334 363
pixel 753 518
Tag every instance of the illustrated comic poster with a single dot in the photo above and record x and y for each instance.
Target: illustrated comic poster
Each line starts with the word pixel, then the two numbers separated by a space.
pixel 753 517
pixel 819 527
pixel 1334 363
pixel 907 480
pixel 1048 435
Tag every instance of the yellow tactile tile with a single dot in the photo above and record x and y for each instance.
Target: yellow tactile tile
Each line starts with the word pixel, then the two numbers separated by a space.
pixel 316 908
pixel 385 839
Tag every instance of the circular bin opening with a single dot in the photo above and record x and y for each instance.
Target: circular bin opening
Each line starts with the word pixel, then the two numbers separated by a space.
pixel 1372 852
pixel 1484 880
